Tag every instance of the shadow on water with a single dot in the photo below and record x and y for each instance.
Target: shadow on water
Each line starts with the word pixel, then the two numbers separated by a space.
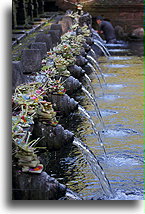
pixel 122 136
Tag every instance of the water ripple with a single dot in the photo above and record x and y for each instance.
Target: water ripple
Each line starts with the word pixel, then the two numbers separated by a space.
pixel 119 132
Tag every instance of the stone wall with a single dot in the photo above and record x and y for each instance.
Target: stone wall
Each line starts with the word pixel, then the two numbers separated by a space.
pixel 24 11
pixel 127 14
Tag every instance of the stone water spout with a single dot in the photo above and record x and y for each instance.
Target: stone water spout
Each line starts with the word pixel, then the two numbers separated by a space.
pixel 96 36
pixel 71 84
pixel 52 137
pixel 76 71
pixel 62 104
pixel 28 186
pixel 80 60
pixel 103 47
pixel 86 47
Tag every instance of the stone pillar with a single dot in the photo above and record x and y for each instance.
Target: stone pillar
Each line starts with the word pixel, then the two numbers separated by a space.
pixel 30 10
pixel 35 4
pixel 31 60
pixel 41 6
pixel 21 13
pixel 14 18
pixel 17 74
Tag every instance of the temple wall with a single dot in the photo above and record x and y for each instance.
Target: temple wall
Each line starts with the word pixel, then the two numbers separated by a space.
pixel 127 14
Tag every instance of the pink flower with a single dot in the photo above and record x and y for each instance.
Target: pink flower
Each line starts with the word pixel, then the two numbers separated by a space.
pixel 38 91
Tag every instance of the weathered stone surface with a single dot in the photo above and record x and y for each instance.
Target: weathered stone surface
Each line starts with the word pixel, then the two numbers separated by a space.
pixel 85 19
pixel 31 60
pixel 97 50
pixel 80 60
pixel 119 32
pixel 89 40
pixel 17 74
pixel 55 35
pixel 86 47
pixel 93 54
pixel 53 138
pixel 66 23
pixel 76 71
pixel 137 33
pixel 64 105
pixel 71 85
pixel 42 37
pixel 88 69
pixel 41 46
pixel 82 52
pixel 56 27
pixel 36 187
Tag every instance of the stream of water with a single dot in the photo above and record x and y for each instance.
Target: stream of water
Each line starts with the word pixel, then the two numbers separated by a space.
pixel 122 110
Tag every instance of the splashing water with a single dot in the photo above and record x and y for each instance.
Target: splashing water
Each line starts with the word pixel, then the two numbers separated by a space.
pixel 95 167
pixel 70 195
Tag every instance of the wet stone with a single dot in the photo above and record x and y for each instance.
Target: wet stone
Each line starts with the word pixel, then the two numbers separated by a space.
pixel 97 50
pixel 63 104
pixel 89 40
pixel 71 85
pixel 53 138
pixel 87 69
pixel 80 60
pixel 92 54
pixel 36 187
pixel 76 71
pixel 86 47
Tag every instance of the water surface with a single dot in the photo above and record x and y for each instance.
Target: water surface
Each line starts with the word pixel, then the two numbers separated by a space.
pixel 121 107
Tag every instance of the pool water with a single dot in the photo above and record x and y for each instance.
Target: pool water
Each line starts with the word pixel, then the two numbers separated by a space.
pixel 121 107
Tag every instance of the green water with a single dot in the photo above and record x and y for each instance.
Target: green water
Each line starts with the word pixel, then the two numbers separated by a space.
pixel 122 109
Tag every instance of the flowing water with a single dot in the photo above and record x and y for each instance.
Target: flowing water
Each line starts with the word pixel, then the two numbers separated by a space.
pixel 101 48
pixel 96 67
pixel 97 76
pixel 82 110
pixel 95 167
pixel 94 102
pixel 89 83
pixel 122 111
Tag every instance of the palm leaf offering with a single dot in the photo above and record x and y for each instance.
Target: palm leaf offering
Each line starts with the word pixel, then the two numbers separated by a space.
pixel 29 102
